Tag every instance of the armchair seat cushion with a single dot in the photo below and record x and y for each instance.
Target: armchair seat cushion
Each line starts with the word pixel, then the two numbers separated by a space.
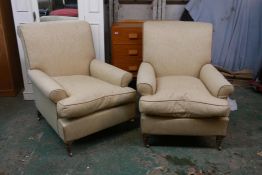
pixel 183 97
pixel 88 95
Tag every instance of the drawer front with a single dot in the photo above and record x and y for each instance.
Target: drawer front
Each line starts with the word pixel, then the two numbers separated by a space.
pixel 126 51
pixel 127 35
pixel 128 65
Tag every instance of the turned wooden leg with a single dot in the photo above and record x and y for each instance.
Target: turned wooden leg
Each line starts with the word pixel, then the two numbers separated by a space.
pixel 69 148
pixel 219 140
pixel 145 140
pixel 39 116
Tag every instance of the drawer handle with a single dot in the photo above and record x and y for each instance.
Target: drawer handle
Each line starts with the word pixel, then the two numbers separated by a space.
pixel 132 52
pixel 132 68
pixel 132 35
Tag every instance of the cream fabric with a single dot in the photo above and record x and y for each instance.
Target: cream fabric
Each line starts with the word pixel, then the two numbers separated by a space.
pixel 56 18
pixel 185 97
pixel 49 87
pixel 72 129
pixel 58 48
pixel 187 87
pixel 46 107
pixel 215 82
pixel 88 95
pixel 109 73
pixel 176 47
pixel 146 79
pixel 74 103
pixel 184 126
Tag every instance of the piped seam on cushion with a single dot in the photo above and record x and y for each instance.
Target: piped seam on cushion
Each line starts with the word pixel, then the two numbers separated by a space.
pixel 182 101
pixel 96 99
pixel 190 113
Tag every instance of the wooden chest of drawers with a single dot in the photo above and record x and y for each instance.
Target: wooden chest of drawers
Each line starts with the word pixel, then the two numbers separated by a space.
pixel 127 45
pixel 10 72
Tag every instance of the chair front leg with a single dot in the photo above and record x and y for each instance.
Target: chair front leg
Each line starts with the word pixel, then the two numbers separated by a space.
pixel 145 140
pixel 69 148
pixel 219 140
pixel 39 116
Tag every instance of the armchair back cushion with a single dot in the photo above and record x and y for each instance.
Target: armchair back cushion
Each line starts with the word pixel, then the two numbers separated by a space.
pixel 58 48
pixel 177 48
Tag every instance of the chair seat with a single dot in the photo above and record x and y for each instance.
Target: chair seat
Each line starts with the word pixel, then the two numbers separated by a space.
pixel 88 95
pixel 183 97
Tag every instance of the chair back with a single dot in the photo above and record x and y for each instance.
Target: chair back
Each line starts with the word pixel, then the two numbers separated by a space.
pixel 176 47
pixel 58 48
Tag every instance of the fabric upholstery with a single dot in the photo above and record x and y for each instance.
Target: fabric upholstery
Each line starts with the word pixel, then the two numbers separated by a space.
pixel 56 18
pixel 184 126
pixel 146 79
pixel 72 129
pixel 183 97
pixel 49 87
pixel 88 95
pixel 58 48
pixel 46 107
pixel 189 92
pixel 215 82
pixel 176 47
pixel 109 73
pixel 74 103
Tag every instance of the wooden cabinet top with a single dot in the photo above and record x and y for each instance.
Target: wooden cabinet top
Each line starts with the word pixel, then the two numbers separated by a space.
pixel 128 24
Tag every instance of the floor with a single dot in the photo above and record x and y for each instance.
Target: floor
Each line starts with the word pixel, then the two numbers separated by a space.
pixel 29 146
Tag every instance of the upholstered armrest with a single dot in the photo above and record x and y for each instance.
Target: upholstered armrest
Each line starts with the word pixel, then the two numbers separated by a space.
pixel 215 81
pixel 146 79
pixel 109 73
pixel 48 86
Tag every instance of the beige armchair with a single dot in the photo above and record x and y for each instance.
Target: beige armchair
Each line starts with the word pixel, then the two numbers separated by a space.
pixel 182 93
pixel 77 94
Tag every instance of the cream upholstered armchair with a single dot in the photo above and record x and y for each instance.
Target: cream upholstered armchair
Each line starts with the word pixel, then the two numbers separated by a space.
pixel 182 93
pixel 77 94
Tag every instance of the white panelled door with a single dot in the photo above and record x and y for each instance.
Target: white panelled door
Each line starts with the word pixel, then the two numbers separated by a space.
pixel 92 11
pixel 23 12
